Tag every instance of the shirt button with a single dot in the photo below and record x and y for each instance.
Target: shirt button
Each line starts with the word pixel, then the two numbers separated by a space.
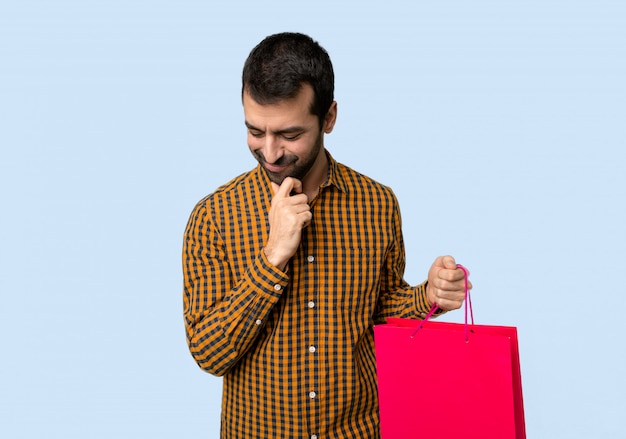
pixel 311 304
pixel 312 395
pixel 310 258
pixel 258 322
pixel 313 436
pixel 277 287
pixel 312 349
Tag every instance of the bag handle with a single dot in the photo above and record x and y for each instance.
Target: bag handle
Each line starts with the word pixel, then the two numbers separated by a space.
pixel 468 304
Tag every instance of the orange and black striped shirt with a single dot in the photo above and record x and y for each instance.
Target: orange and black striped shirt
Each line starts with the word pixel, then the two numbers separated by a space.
pixel 296 348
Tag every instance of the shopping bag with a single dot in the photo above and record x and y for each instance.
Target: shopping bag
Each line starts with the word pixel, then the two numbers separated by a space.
pixel 448 380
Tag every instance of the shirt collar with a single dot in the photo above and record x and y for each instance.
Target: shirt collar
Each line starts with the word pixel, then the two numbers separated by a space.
pixel 335 178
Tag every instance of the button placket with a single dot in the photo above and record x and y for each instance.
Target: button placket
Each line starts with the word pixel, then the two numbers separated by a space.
pixel 308 265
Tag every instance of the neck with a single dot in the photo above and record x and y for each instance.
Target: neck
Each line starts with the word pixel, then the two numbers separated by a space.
pixel 316 176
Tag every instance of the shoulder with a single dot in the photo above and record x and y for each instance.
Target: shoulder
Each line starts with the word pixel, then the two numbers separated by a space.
pixel 362 185
pixel 231 194
pixel 227 189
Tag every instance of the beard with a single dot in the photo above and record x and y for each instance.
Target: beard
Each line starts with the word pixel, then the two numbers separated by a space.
pixel 295 166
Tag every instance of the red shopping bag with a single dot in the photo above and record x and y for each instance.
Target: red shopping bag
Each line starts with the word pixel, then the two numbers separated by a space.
pixel 448 380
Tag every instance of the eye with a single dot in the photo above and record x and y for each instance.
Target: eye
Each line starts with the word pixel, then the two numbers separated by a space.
pixel 257 134
pixel 291 137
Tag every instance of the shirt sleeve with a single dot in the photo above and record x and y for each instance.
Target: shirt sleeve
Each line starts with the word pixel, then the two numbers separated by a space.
pixel 223 316
pixel 397 297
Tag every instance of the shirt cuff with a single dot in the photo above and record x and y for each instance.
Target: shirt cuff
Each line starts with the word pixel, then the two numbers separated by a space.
pixel 422 305
pixel 267 278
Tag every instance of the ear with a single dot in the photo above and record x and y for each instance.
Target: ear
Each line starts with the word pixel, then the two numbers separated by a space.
pixel 330 118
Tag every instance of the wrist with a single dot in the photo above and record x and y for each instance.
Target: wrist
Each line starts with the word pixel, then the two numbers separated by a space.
pixel 274 259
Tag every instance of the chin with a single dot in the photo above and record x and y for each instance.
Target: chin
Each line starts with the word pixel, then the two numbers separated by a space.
pixel 275 178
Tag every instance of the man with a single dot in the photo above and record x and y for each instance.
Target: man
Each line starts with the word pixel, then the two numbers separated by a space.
pixel 288 266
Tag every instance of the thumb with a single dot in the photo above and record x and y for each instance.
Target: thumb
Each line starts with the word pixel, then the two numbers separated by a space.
pixel 446 262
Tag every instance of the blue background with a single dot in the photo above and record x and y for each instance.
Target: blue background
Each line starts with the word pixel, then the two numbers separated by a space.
pixel 499 124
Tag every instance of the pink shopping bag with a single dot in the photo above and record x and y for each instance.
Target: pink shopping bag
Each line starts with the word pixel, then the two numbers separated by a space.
pixel 448 380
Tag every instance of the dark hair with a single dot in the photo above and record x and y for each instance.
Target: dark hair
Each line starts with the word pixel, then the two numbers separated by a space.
pixel 279 65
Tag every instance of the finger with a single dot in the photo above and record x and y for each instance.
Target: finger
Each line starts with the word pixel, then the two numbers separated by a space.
pixel 438 262
pixel 307 216
pixel 453 294
pixel 449 262
pixel 301 207
pixel 443 287
pixel 449 305
pixel 288 186
pixel 448 299
pixel 449 275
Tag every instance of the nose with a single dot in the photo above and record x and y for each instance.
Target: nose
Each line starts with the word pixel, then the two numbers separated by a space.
pixel 272 151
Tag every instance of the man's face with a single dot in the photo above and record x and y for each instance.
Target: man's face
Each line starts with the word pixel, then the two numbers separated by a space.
pixel 285 137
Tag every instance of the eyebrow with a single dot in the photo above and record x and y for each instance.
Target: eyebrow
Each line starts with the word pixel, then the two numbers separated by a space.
pixel 288 130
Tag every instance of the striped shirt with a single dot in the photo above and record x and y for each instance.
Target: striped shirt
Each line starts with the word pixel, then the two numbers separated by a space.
pixel 296 348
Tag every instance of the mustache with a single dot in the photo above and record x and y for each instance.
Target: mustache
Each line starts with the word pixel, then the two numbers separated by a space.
pixel 282 161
